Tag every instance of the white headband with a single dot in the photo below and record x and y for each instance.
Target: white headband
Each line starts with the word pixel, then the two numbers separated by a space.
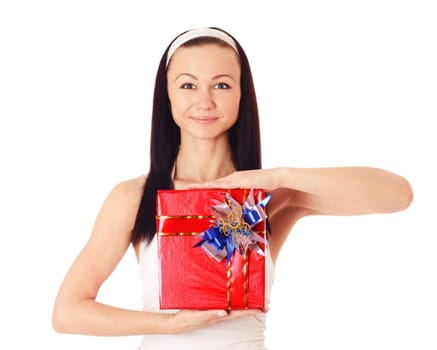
pixel 199 33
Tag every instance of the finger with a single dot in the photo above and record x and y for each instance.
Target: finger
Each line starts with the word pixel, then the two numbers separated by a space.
pixel 241 313
pixel 220 313
pixel 213 316
pixel 208 184
pixel 198 185
pixel 205 315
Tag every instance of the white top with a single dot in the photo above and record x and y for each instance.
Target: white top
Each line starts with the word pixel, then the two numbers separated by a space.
pixel 241 334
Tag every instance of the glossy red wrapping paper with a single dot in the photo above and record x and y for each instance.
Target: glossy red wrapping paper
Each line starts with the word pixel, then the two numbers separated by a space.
pixel 189 277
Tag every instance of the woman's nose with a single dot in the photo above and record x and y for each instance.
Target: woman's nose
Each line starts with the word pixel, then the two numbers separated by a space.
pixel 205 99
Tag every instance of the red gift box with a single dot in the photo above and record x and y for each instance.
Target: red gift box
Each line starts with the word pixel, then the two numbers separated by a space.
pixel 189 277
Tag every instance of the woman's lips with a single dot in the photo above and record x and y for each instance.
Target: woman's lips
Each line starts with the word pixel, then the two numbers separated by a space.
pixel 204 120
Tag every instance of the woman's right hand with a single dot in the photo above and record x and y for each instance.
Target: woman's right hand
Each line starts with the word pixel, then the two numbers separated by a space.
pixel 189 320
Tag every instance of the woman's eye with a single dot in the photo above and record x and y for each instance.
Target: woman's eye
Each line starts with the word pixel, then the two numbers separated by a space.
pixel 222 86
pixel 187 86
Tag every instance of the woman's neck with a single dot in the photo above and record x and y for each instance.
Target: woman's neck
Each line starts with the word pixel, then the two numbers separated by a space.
pixel 203 160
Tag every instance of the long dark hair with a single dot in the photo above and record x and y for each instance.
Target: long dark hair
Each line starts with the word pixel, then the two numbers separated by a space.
pixel 244 138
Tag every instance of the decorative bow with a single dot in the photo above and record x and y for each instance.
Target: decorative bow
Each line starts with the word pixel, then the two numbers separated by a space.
pixel 232 228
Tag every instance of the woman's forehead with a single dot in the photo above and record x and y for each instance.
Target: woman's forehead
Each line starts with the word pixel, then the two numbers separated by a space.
pixel 204 56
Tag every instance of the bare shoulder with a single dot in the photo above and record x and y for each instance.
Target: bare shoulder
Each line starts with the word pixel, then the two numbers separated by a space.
pixel 131 187
pixel 126 195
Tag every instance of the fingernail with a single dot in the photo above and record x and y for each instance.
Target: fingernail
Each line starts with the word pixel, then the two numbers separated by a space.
pixel 221 313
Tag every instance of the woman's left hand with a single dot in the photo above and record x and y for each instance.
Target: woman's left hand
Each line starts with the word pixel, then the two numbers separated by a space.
pixel 266 179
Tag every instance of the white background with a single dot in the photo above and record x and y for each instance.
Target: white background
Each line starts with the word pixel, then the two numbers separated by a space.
pixel 338 83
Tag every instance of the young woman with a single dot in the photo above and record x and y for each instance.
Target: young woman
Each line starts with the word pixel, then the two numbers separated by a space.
pixel 205 133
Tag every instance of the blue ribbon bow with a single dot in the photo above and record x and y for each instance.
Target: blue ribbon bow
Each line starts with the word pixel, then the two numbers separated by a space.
pixel 233 227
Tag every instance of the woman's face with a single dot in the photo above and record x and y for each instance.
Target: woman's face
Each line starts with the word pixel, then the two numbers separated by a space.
pixel 204 89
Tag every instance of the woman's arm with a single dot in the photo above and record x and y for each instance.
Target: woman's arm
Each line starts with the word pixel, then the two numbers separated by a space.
pixel 346 190
pixel 76 309
pixel 299 192
pixel 329 191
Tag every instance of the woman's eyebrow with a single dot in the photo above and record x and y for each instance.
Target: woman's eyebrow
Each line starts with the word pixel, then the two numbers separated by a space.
pixel 215 77
pixel 223 76
pixel 187 74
